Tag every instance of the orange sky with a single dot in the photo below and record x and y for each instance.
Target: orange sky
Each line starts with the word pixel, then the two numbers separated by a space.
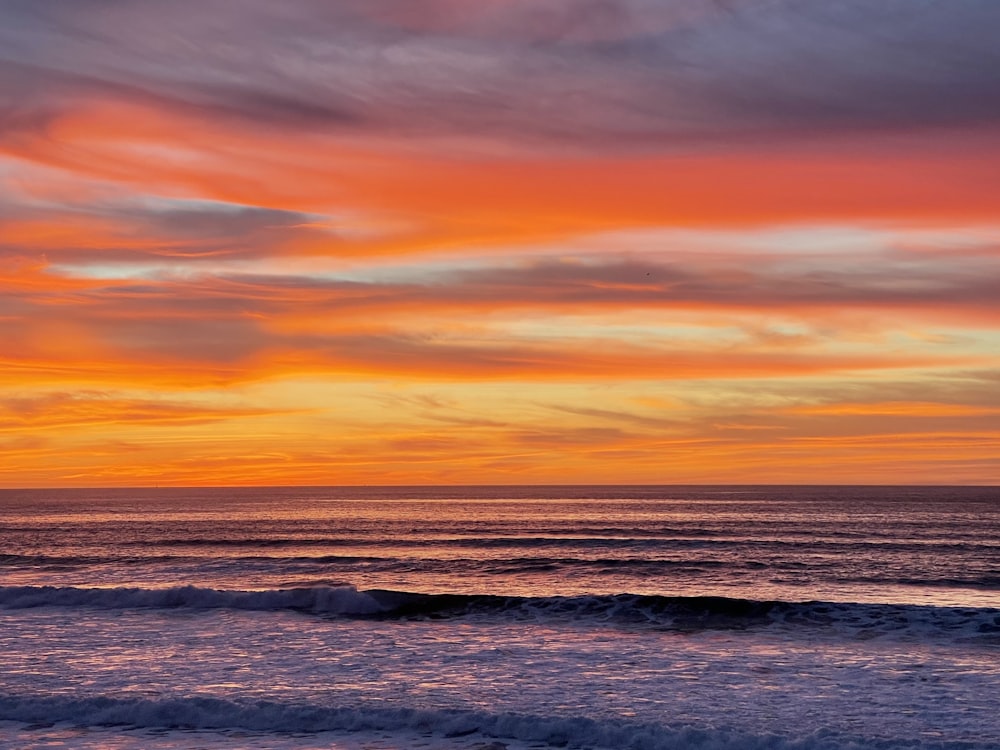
pixel 301 244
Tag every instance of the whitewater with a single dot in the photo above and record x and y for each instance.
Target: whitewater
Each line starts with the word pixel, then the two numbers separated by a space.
pixel 486 618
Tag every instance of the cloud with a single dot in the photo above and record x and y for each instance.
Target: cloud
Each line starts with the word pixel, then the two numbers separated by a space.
pixel 880 280
pixel 618 74
pixel 625 417
pixel 670 313
pixel 73 410
pixel 933 285
pixel 127 232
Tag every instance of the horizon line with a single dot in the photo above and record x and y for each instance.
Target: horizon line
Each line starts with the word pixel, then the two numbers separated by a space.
pixel 490 485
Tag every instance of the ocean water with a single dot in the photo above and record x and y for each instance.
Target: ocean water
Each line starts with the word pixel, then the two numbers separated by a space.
pixel 483 618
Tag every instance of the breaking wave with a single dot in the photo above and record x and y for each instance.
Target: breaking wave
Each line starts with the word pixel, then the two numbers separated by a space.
pixel 683 614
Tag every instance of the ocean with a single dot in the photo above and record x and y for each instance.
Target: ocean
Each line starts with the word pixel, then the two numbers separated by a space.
pixel 492 618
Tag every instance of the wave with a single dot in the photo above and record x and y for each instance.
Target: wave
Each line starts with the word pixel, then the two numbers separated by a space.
pixel 578 540
pixel 341 600
pixel 43 561
pixel 321 566
pixel 673 613
pixel 986 582
pixel 497 566
pixel 573 731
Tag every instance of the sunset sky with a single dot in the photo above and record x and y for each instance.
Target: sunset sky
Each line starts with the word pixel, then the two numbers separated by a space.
pixel 501 241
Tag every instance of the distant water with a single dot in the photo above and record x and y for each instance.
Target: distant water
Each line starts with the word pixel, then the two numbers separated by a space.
pixel 484 617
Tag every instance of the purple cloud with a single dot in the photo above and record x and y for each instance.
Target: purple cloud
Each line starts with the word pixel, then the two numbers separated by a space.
pixel 619 74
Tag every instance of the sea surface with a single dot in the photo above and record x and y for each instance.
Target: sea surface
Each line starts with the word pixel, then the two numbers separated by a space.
pixel 484 618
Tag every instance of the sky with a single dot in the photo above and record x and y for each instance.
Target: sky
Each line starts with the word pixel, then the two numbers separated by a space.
pixel 499 242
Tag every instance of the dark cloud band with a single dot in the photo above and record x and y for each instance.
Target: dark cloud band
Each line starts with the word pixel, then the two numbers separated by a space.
pixel 616 74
